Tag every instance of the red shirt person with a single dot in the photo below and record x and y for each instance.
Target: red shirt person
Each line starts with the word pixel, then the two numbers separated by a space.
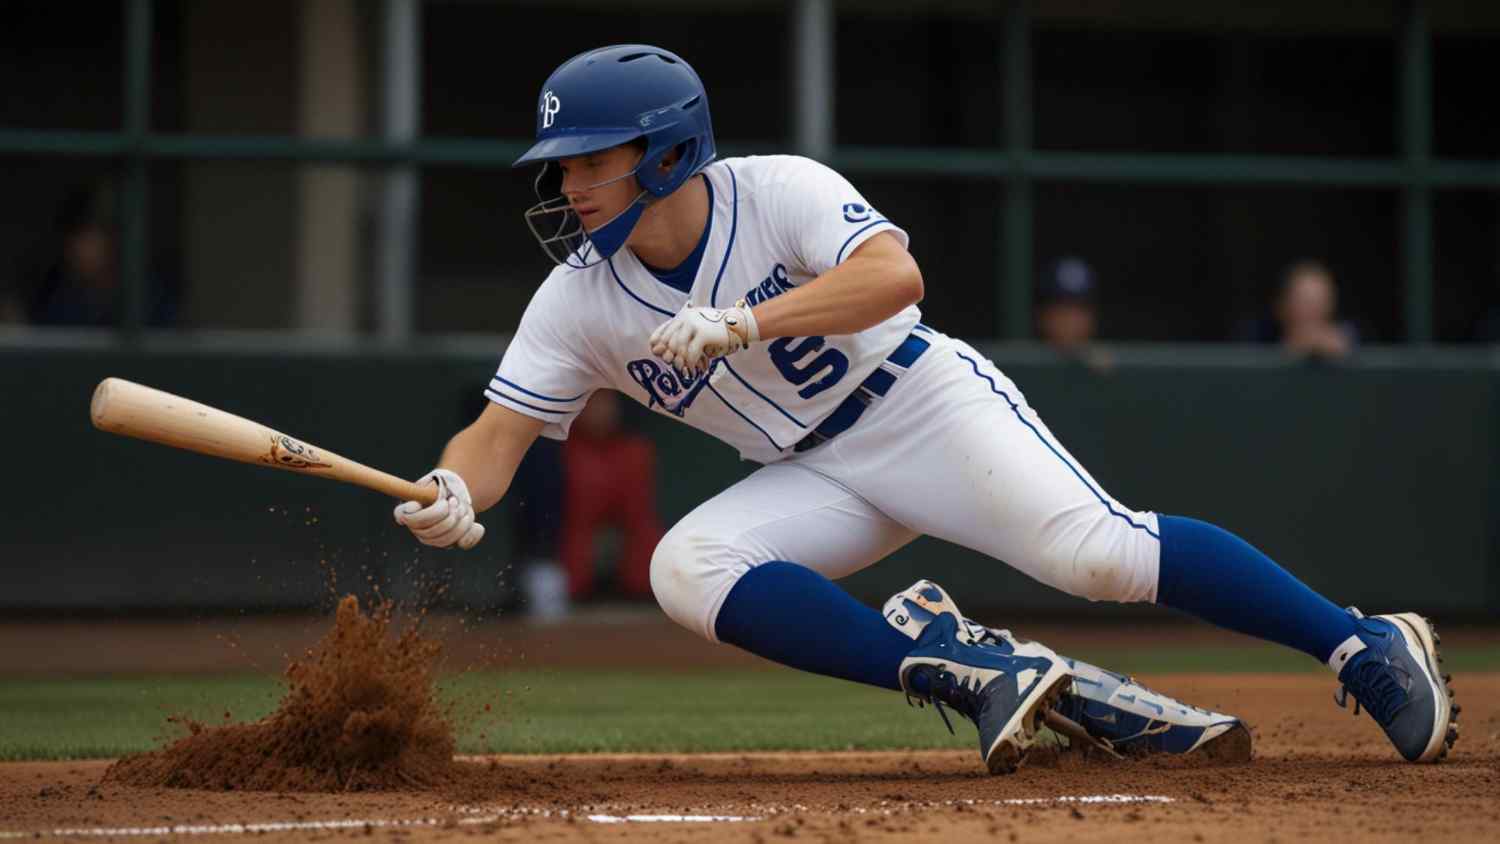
pixel 609 481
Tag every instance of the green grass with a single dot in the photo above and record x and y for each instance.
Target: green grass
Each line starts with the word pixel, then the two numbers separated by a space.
pixel 556 712
pixel 104 717
pixel 530 712
pixel 576 710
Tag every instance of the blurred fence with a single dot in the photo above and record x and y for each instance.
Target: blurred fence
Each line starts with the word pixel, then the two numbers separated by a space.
pixel 357 152
pixel 1375 481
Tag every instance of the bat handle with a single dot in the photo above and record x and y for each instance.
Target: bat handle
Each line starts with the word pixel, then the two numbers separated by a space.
pixel 424 494
pixel 399 488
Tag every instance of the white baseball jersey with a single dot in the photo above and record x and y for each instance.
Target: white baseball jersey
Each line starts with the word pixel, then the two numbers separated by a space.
pixel 951 449
pixel 777 222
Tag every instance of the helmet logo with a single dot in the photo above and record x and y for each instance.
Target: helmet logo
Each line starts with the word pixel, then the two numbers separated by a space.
pixel 550 106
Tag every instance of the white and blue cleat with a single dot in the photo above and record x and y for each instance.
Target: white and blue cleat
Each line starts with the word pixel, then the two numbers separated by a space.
pixel 1391 668
pixel 1005 690
pixel 1130 719
pixel 1096 707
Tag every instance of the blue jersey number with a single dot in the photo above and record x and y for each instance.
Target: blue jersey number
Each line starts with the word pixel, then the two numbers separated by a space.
pixel 827 368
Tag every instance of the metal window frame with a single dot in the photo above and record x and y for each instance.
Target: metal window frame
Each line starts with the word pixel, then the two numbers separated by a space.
pixel 1017 166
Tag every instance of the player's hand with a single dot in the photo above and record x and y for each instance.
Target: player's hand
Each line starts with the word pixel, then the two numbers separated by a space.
pixel 696 336
pixel 448 521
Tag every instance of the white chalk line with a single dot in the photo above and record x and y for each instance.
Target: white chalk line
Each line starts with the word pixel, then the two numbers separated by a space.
pixel 351 823
pixel 479 816
pixel 672 818
pixel 888 807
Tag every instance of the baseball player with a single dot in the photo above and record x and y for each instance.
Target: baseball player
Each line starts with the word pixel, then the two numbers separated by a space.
pixel 764 301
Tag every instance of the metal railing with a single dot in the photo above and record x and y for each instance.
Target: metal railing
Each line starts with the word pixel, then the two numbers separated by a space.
pixel 1017 166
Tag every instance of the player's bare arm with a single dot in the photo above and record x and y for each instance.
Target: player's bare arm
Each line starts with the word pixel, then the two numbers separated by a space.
pixel 873 284
pixel 472 476
pixel 486 453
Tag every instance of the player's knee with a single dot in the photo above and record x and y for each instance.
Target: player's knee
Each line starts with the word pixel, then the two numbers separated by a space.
pixel 687 573
pixel 670 565
pixel 1105 565
pixel 1099 579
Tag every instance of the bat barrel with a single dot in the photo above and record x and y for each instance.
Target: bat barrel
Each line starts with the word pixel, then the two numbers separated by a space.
pixel 135 410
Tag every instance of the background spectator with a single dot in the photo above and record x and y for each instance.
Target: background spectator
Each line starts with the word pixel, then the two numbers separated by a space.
pixel 609 481
pixel 1067 313
pixel 566 497
pixel 1304 319
pixel 81 285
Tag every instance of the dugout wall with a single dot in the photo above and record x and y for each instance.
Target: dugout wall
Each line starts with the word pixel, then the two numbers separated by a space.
pixel 1375 482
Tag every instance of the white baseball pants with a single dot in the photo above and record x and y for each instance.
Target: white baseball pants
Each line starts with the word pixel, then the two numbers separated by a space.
pixel 952 451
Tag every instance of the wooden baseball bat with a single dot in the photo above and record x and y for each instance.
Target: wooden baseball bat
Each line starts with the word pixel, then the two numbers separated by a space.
pixel 134 410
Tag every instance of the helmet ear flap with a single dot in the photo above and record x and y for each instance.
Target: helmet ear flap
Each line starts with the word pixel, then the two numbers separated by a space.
pixel 658 182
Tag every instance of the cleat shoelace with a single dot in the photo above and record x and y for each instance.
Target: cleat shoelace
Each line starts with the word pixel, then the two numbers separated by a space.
pixel 945 686
pixel 1373 684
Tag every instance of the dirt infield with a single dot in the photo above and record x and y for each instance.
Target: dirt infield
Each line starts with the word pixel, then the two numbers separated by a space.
pixel 1319 773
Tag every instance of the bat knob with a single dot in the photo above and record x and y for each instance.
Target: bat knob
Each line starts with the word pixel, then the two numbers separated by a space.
pixel 99 404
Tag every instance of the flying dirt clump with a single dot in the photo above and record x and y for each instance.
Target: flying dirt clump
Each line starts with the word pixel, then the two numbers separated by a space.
pixel 359 713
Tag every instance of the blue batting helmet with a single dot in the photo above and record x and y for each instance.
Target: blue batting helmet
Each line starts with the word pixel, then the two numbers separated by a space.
pixel 602 99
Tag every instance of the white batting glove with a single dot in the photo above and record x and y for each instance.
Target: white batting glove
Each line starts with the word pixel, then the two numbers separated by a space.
pixel 696 336
pixel 448 521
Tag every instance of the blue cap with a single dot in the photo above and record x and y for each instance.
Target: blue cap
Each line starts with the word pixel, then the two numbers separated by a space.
pixel 1068 279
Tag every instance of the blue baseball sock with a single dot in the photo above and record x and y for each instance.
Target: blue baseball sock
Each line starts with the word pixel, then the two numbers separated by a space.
pixel 792 615
pixel 1215 575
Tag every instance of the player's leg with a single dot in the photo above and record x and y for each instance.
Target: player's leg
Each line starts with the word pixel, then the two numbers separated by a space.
pixel 957 453
pixel 751 567
pixel 989 475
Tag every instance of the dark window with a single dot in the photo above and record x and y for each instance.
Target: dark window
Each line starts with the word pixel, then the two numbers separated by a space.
pixel 1200 263
pixel 485 63
pixel 932 82
pixel 62 65
pixel 955 233
pixel 1466 123
pixel 478 264
pixel 1466 275
pixel 1187 92
pixel 60 242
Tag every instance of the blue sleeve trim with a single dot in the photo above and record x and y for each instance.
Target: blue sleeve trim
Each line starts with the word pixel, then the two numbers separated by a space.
pixel 518 387
pixel 839 259
pixel 496 395
pixel 631 293
pixel 1015 408
pixel 751 388
pixel 747 419
pixel 734 224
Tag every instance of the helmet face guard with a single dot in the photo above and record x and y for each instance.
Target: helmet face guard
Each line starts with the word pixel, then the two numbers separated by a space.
pixel 603 99
pixel 560 231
